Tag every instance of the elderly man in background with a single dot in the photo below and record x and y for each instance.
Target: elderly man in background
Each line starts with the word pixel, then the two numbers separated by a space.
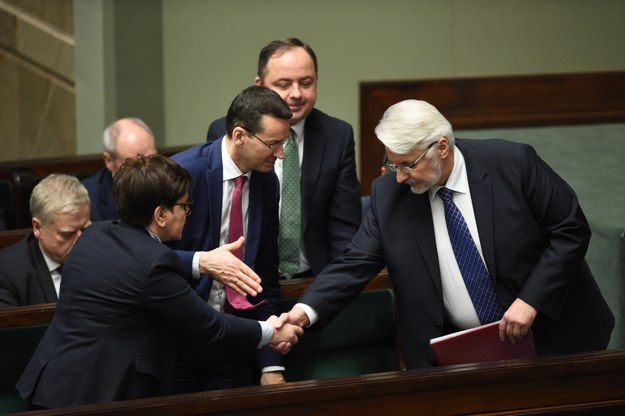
pixel 30 270
pixel 124 138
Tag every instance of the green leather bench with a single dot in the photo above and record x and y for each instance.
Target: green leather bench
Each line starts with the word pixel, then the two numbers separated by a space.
pixel 16 345
pixel 360 340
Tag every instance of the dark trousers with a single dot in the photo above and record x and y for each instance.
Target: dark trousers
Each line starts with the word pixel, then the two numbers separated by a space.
pixel 213 368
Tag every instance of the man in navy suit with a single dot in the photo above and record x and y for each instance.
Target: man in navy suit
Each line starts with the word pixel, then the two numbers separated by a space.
pixel 124 138
pixel 330 190
pixel 525 220
pixel 126 308
pixel 30 269
pixel 258 126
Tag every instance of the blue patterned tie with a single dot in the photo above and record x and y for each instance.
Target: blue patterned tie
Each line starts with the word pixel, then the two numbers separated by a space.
pixel 290 215
pixel 472 268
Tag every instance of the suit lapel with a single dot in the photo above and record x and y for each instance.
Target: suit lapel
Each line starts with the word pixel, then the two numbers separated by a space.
pixel 214 182
pixel 254 222
pixel 424 232
pixel 482 197
pixel 106 201
pixel 43 275
pixel 314 148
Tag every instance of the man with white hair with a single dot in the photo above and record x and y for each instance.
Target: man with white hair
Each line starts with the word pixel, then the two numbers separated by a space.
pixel 30 270
pixel 523 230
pixel 123 139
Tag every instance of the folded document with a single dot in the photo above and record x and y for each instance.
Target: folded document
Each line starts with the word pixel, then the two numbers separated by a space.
pixel 479 344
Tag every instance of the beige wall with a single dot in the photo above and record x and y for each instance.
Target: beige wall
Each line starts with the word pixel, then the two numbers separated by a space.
pixel 119 67
pixel 179 63
pixel 210 47
pixel 37 109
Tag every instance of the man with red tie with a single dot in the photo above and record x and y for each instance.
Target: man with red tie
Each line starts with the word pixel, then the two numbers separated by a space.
pixel 236 193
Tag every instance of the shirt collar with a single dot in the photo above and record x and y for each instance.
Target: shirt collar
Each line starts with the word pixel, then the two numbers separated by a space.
pixel 230 169
pixel 458 180
pixel 298 128
pixel 52 265
pixel 154 236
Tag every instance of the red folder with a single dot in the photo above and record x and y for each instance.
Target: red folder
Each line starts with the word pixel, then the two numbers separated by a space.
pixel 479 344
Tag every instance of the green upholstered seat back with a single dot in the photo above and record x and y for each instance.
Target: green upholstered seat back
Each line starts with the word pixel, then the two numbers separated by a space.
pixel 360 340
pixel 17 345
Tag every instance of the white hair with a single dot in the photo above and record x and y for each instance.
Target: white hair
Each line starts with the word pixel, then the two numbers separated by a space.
pixel 60 193
pixel 411 123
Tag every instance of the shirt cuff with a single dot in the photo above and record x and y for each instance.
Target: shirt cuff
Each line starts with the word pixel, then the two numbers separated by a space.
pixel 267 334
pixel 312 314
pixel 272 368
pixel 195 266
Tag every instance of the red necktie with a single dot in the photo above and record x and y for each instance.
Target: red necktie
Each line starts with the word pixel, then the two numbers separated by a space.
pixel 235 230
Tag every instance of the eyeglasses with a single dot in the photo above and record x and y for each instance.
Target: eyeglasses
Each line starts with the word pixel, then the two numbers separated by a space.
pixel 270 146
pixel 408 168
pixel 187 206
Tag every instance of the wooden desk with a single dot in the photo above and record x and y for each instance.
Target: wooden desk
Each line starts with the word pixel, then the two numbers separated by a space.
pixel 580 384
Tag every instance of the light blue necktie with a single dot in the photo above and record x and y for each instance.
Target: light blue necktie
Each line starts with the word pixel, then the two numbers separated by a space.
pixel 472 268
pixel 290 214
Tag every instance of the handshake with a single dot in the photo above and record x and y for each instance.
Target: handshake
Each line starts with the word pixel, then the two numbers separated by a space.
pixel 286 329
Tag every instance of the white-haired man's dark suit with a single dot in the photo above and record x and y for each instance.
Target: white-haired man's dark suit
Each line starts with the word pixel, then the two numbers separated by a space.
pixel 533 234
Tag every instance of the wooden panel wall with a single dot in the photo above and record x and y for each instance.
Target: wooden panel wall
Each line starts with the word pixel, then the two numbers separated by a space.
pixel 493 102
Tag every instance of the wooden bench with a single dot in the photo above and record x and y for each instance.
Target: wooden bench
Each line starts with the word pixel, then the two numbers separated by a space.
pixel 581 384
pixel 10 237
pixel 18 178
pixel 493 102
pixel 21 329
pixel 361 340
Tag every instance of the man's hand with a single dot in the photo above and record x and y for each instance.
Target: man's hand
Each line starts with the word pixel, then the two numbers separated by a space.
pixel 284 336
pixel 517 320
pixel 229 270
pixel 271 377
pixel 296 316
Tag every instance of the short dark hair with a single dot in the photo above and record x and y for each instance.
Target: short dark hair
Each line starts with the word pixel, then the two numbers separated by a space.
pixel 248 108
pixel 280 46
pixel 143 183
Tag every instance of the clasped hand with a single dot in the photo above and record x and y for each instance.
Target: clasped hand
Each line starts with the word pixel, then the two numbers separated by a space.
pixel 284 336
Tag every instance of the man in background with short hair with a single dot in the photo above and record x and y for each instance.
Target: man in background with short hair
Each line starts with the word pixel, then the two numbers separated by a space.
pixel 124 138
pixel 329 201
pixel 30 270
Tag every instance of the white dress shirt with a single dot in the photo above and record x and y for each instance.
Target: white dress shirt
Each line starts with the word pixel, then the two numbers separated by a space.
pixel 458 304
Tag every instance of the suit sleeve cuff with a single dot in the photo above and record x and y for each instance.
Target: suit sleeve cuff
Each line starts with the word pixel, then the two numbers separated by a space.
pixel 312 314
pixel 267 333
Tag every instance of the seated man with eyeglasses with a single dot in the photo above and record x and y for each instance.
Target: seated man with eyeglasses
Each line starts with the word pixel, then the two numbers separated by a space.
pixel 236 193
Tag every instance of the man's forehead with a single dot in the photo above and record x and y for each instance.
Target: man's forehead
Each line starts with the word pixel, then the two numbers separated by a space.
pixel 270 123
